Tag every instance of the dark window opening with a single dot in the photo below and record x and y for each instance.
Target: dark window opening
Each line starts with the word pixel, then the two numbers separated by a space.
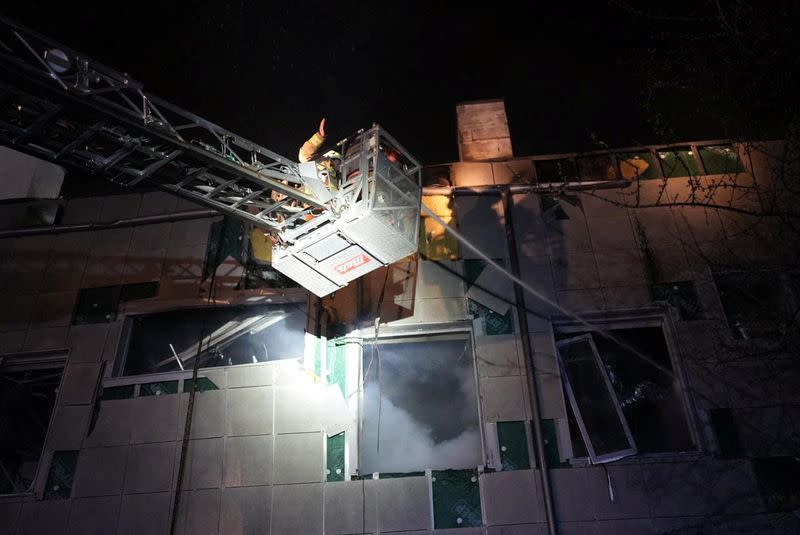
pixel 755 303
pixel 682 295
pixel 678 161
pixel 598 167
pixel 141 290
pixel 99 305
pixel 226 336
pixel 27 397
pixel 562 170
pixel 777 479
pixel 436 175
pixel 419 405
pixel 640 371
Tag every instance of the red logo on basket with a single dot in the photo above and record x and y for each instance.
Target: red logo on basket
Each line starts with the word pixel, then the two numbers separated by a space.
pixel 353 263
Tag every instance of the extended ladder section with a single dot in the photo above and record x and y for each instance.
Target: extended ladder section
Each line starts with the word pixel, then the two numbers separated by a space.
pixel 62 106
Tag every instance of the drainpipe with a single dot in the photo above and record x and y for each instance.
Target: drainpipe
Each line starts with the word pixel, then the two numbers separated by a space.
pixel 120 223
pixel 530 370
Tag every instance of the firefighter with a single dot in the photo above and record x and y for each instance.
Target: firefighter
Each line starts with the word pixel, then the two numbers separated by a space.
pixel 310 148
pixel 328 164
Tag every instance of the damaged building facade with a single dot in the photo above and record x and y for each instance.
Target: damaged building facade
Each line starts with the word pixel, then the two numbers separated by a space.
pixel 640 376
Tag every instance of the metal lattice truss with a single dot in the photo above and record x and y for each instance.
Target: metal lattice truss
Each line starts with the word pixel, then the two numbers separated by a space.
pixel 62 106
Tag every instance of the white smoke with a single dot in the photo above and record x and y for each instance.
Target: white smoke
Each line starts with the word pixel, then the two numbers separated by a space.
pixel 406 445
pixel 427 417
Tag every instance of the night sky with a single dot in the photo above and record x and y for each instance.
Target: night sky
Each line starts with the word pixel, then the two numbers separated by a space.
pixel 573 77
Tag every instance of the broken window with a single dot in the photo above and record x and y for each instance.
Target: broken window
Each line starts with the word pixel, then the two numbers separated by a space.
pixel 419 406
pixel 678 161
pixel 603 427
pixel 99 305
pixel 225 336
pixel 639 165
pixel 755 302
pixel 596 167
pixel 720 159
pixel 561 170
pixel 28 389
pixel 435 243
pixel 637 376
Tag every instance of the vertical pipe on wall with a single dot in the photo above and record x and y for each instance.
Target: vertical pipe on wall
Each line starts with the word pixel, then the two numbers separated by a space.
pixel 530 370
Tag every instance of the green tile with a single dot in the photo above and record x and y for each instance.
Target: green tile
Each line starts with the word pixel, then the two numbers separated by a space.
pixel 96 305
pixel 550 437
pixel 61 475
pixel 513 445
pixel 335 462
pixel 337 360
pixel 456 499
pixel 494 323
pixel 160 388
pixel 118 392
pixel 204 384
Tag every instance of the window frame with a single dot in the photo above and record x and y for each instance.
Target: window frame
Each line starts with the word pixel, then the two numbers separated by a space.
pixel 595 458
pixel 187 356
pixel 642 318
pixel 431 331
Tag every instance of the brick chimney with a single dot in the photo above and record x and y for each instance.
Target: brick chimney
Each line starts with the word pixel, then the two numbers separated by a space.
pixel 483 131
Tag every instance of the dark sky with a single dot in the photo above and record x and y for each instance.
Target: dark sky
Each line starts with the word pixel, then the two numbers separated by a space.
pixel 570 74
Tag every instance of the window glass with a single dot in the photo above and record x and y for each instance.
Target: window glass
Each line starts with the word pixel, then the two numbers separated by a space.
pixel 229 336
pixel 720 159
pixel 419 405
pixel 638 165
pixel 678 161
pixel 604 430
pixel 435 243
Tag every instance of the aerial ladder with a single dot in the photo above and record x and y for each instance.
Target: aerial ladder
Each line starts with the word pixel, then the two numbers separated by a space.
pixel 65 107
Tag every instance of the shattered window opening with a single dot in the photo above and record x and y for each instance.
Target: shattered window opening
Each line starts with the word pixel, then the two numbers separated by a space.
pixel 28 390
pixel 560 170
pixel 650 399
pixel 420 398
pixel 230 336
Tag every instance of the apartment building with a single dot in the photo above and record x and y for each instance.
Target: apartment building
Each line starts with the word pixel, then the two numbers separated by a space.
pixel 607 343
